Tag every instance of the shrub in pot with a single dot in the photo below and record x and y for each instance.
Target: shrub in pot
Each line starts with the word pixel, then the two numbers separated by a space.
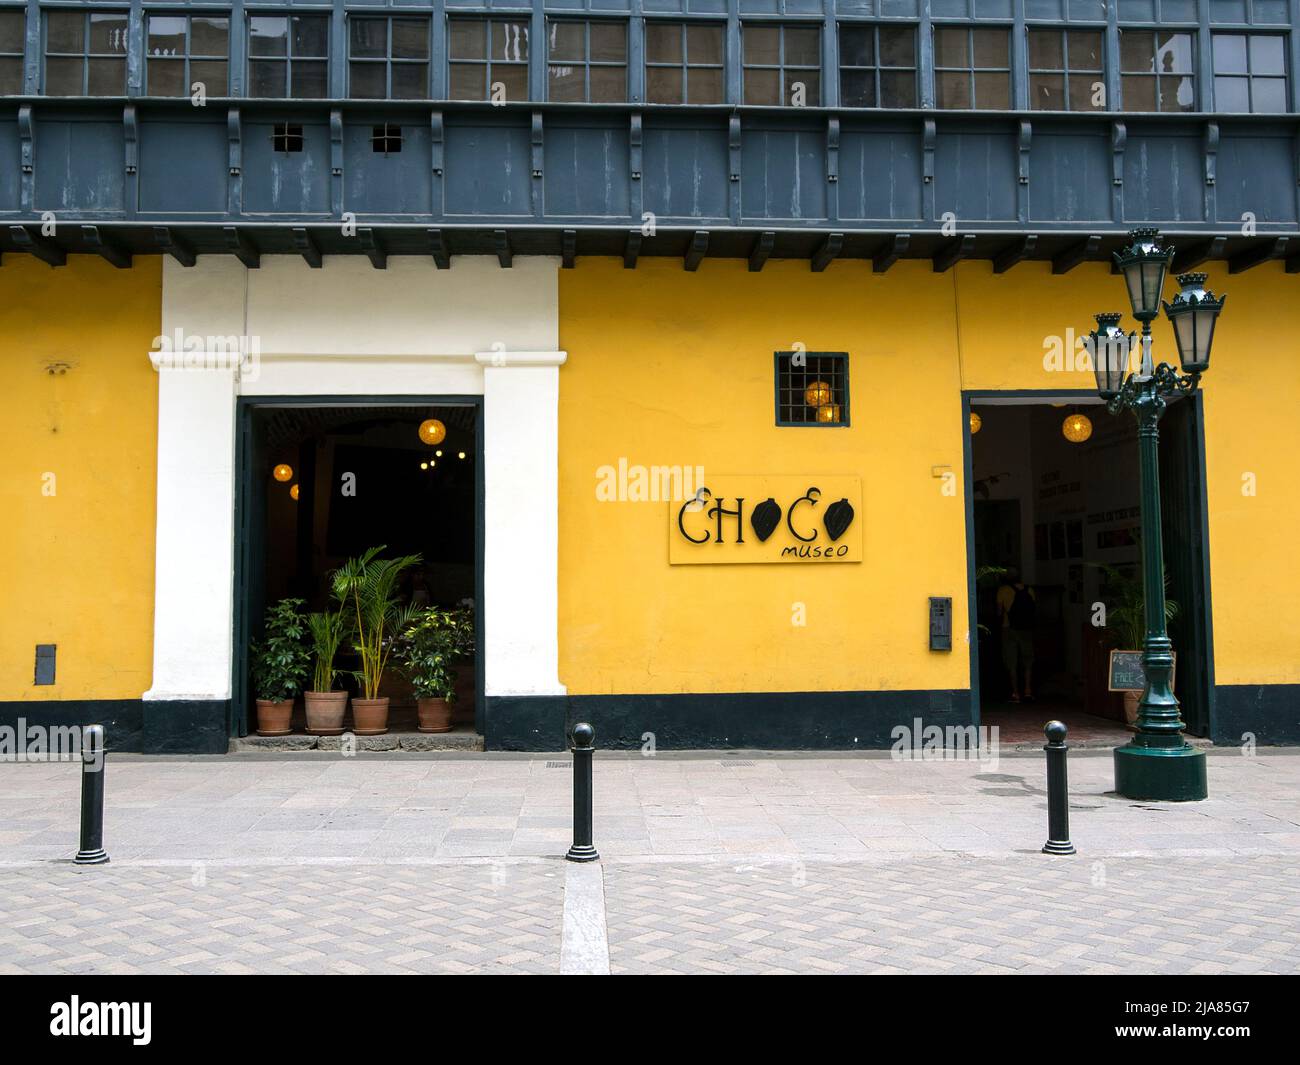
pixel 464 660
pixel 280 660
pixel 427 652
pixel 367 591
pixel 325 706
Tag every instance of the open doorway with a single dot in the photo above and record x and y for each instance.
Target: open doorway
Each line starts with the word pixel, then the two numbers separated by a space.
pixel 323 480
pixel 1055 530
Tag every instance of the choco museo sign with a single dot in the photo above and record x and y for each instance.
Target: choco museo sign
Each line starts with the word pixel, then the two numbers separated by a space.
pixel 768 519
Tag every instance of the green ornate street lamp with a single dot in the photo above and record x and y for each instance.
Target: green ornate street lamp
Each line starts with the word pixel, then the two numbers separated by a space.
pixel 1158 762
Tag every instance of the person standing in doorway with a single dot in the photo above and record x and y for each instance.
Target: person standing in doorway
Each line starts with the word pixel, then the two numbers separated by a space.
pixel 1018 610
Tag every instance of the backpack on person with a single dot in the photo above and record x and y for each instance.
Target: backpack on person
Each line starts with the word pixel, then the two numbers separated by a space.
pixel 1023 611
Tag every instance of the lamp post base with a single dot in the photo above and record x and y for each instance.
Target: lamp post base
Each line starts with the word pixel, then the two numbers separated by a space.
pixel 1169 774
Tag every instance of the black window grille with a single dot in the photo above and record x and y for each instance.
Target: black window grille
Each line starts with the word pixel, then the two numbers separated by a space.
pixel 812 388
pixel 386 139
pixel 286 137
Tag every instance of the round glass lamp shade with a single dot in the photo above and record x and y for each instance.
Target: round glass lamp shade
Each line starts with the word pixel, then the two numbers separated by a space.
pixel 283 472
pixel 1110 348
pixel 293 492
pixel 975 422
pixel 432 431
pixel 1193 314
pixel 829 413
pixel 818 394
pixel 1144 264
pixel 1076 428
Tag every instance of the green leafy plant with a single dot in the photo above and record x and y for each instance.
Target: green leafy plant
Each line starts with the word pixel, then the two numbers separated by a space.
pixel 281 657
pixel 427 652
pixel 327 632
pixel 366 589
pixel 1126 607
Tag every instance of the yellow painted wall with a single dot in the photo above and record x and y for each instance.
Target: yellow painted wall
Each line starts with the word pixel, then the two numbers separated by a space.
pixel 674 368
pixel 78 565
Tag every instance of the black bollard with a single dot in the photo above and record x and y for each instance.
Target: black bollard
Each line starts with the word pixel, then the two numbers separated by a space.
pixel 1058 792
pixel 582 849
pixel 92 797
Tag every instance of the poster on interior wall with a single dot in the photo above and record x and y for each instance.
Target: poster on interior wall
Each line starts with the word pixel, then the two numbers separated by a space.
pixel 806 519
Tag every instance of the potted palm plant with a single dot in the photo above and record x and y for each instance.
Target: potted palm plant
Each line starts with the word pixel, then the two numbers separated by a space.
pixel 1126 621
pixel 366 588
pixel 325 706
pixel 427 654
pixel 280 661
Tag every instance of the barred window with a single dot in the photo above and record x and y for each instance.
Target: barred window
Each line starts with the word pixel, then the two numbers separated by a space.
pixel 181 50
pixel 85 53
pixel 972 68
pixel 388 58
pixel 1157 71
pixel 782 64
pixel 1065 70
pixel 12 24
pixel 1250 72
pixel 877 66
pixel 485 52
pixel 812 388
pixel 288 55
pixel 684 63
pixel 586 61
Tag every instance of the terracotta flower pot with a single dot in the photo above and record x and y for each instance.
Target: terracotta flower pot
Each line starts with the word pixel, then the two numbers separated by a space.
pixel 370 716
pixel 273 717
pixel 325 712
pixel 435 715
pixel 464 708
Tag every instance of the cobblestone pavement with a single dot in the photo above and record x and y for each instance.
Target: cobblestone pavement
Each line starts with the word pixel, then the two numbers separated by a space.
pixel 757 864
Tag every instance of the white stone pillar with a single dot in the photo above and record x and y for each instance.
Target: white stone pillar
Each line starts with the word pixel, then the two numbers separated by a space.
pixel 193 581
pixel 521 423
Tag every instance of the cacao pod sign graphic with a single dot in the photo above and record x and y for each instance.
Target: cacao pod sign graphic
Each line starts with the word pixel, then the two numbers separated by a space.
pixel 803 519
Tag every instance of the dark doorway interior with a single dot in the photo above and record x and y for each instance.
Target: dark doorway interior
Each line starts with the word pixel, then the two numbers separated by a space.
pixel 1066 515
pixel 361 476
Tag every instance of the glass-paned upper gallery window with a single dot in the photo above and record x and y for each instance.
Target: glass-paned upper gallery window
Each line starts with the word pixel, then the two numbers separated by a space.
pixel 388 58
pixel 184 50
pixel 877 66
pixel 288 55
pixel 972 68
pixel 586 61
pixel 1250 72
pixel 1066 70
pixel 85 53
pixel 684 63
pixel 488 59
pixel 1157 70
pixel 782 64
pixel 12 22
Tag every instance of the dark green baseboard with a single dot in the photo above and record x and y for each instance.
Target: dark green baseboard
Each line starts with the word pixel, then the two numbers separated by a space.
pixel 1268 712
pixel 789 721
pixel 170 727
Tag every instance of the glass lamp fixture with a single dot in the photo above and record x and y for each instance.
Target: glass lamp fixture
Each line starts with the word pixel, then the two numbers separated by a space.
pixel 293 492
pixel 818 394
pixel 1144 264
pixel 1193 314
pixel 432 431
pixel 424 465
pixel 283 472
pixel 1111 349
pixel 461 455
pixel 975 422
pixel 1076 428
pixel 829 413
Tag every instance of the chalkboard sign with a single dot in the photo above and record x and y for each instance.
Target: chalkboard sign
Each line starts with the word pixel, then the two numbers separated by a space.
pixel 1127 674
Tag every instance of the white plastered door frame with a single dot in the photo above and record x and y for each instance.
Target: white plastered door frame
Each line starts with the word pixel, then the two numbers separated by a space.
pixel 348 329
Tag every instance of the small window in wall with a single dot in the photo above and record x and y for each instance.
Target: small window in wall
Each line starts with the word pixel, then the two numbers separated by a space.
pixel 12 24
pixel 388 58
pixel 972 68
pixel 586 61
pixel 488 59
pixel 288 56
pixel 286 137
pixel 812 388
pixel 85 53
pixel 1157 71
pixel 877 66
pixel 182 50
pixel 1250 72
pixel 684 63
pixel 386 139
pixel 782 64
pixel 1065 70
